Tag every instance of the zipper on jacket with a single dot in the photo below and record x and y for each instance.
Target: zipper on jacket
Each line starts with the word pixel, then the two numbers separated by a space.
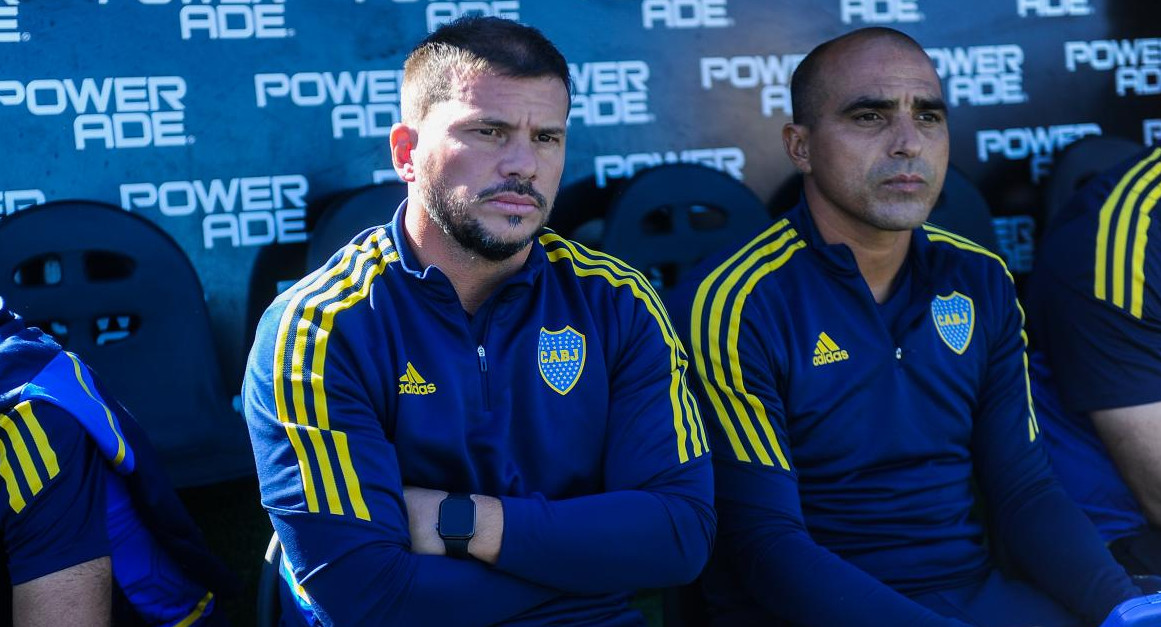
pixel 483 355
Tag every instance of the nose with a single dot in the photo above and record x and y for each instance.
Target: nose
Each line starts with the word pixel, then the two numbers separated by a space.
pixel 908 139
pixel 519 159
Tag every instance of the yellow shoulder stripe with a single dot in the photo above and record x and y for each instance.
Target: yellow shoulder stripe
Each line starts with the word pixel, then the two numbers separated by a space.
pixel 1136 193
pixel 687 423
pixel 305 328
pixel 713 310
pixel 17 453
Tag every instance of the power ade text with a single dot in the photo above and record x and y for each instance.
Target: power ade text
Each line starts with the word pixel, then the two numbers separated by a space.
pixel 610 93
pixel 14 200
pixel 1053 8
pixel 981 75
pixel 250 211
pixel 1137 62
pixel 127 112
pixel 1151 132
pixel 880 11
pixel 772 73
pixel 730 160
pixel 231 19
pixel 9 21
pixel 685 14
pixel 365 103
pixel 440 13
pixel 1036 144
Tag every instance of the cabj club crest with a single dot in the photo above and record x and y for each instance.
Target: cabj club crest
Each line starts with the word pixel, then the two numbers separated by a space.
pixel 561 357
pixel 955 319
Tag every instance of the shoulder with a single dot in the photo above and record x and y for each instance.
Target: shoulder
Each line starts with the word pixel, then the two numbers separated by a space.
pixel 966 255
pixel 763 261
pixel 42 441
pixel 342 283
pixel 600 272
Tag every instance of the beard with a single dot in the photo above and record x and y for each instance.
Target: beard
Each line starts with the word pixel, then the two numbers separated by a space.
pixel 454 217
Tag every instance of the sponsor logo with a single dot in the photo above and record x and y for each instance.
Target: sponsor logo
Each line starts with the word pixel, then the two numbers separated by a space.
pixel 981 75
pixel 610 93
pixel 772 73
pixel 1016 238
pixel 560 356
pixel 730 160
pixel 114 113
pixel 229 19
pixel 880 11
pixel 685 14
pixel 412 383
pixel 14 200
pixel 1053 8
pixel 955 319
pixel 1151 132
pixel 1136 63
pixel 364 103
pixel 440 13
pixel 1037 144
pixel 238 212
pixel 10 23
pixel 827 352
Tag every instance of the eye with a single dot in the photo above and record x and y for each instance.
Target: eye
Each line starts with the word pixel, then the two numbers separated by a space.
pixel 932 117
pixel 867 117
pixel 489 132
pixel 547 138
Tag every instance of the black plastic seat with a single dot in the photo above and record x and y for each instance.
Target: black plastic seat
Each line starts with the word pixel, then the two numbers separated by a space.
pixel 668 218
pixel 349 214
pixel 114 288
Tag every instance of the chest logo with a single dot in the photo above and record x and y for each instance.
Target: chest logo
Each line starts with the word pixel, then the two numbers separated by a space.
pixel 827 352
pixel 955 319
pixel 561 358
pixel 413 383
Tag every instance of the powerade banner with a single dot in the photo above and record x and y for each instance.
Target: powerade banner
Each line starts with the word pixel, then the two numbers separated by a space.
pixel 228 122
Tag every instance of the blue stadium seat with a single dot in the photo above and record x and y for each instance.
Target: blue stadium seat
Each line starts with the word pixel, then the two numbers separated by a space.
pixel 114 288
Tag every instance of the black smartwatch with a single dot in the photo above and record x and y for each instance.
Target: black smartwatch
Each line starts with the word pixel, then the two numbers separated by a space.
pixel 457 523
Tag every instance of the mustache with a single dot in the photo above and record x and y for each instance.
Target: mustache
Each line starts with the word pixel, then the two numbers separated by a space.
pixel 513 186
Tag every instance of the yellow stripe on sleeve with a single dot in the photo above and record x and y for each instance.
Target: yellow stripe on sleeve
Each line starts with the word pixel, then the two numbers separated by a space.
pixel 197 612
pixel 15 497
pixel 1111 206
pixel 1144 218
pixel 687 424
pixel 120 456
pixel 20 448
pixel 710 367
pixel 43 448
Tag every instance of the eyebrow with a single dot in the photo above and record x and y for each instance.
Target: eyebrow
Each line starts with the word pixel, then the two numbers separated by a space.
pixel 501 124
pixel 886 104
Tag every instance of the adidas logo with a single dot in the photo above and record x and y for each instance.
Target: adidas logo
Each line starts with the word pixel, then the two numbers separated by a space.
pixel 412 383
pixel 827 352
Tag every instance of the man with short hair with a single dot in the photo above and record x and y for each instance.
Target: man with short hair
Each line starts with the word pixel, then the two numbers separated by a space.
pixel 463 418
pixel 864 370
pixel 1094 316
pixel 92 531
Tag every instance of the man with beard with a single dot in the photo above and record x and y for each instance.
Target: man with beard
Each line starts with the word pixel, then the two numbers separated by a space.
pixel 463 418
pixel 863 370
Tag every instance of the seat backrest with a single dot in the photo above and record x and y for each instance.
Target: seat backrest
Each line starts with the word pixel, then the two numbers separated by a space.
pixel 1077 164
pixel 668 218
pixel 962 209
pixel 114 288
pixel 347 215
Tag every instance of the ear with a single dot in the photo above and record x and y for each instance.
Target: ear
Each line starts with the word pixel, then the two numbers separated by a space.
pixel 795 140
pixel 403 139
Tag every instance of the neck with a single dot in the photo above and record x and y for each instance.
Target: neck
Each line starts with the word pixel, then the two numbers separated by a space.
pixel 879 254
pixel 474 277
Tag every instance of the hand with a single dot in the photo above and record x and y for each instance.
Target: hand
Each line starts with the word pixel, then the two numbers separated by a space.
pixel 423 520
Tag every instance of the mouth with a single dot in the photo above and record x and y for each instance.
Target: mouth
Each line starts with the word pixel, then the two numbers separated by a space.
pixel 514 203
pixel 905 183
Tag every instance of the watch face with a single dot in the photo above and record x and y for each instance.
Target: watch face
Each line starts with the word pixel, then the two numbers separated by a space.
pixel 457 518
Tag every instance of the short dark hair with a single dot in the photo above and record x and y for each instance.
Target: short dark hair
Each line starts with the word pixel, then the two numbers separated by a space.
pixel 475 45
pixel 807 86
